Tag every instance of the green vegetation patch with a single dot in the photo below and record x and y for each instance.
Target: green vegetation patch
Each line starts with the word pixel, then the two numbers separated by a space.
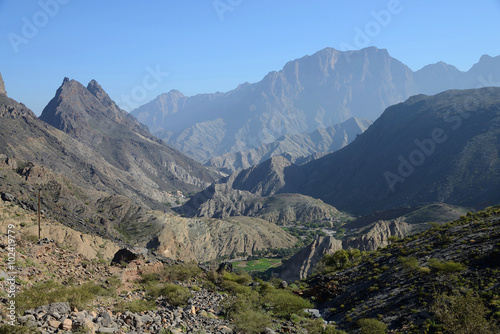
pixel 259 265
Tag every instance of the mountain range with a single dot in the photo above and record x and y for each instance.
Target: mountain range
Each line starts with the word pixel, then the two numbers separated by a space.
pixel 298 149
pixel 442 148
pixel 312 92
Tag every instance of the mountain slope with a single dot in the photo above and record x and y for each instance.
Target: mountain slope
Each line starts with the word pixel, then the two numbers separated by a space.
pixel 91 117
pixel 441 148
pixel 312 92
pixel 295 148
pixel 421 282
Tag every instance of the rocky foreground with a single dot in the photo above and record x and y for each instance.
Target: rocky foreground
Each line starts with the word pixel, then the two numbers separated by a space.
pixel 199 316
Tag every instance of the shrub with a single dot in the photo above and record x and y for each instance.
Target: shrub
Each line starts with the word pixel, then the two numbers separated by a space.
pixel 316 326
pixel 240 303
pixel 448 267
pixel 135 306
pixel 251 321
pixel 284 303
pixel 235 288
pixel 175 294
pixel 462 314
pixel 182 272
pixel 410 262
pixel 242 278
pixel 9 329
pixel 150 277
pixel 372 326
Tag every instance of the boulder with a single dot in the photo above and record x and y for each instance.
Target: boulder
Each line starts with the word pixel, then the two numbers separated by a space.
pixel 225 266
pixel 67 325
pixel 128 255
pixel 8 197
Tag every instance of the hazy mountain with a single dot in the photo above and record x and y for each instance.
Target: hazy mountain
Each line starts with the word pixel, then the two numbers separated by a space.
pixel 296 148
pixel 441 148
pixel 312 92
pixel 91 117
pixel 435 78
pixel 438 77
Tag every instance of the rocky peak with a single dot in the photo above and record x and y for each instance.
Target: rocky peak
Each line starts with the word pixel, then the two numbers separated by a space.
pixel 2 86
pixel 95 89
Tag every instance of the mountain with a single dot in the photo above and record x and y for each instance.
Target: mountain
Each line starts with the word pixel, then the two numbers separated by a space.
pixel 313 92
pixel 296 148
pixel 91 117
pixel 442 148
pixel 309 93
pixel 2 86
pixel 438 77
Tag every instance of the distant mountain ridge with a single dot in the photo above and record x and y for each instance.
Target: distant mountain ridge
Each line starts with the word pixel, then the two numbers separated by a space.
pixel 312 92
pixel 442 148
pixel 298 149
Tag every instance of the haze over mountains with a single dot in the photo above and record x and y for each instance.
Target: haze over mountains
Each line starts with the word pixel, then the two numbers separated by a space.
pixel 312 92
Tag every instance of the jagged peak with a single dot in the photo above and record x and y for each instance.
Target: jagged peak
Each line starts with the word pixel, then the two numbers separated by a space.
pixel 94 86
pixel 2 86
pixel 70 84
pixel 95 89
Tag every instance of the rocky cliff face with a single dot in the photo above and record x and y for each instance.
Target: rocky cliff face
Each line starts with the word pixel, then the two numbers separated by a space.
pixel 221 201
pixel 377 235
pixel 206 239
pixel 302 263
pixel 2 86
pixel 295 148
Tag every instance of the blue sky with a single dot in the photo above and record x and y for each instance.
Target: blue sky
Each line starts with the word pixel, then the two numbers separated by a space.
pixel 138 50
